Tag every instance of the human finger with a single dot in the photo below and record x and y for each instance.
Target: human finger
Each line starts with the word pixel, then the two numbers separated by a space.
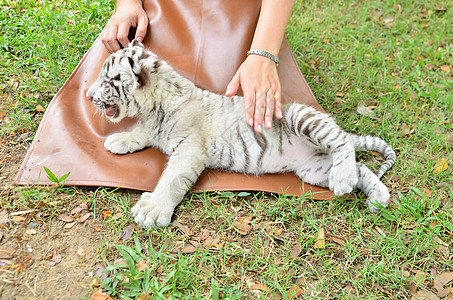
pixel 260 110
pixel 270 103
pixel 233 86
pixel 142 28
pixel 278 105
pixel 123 32
pixel 109 38
pixel 249 103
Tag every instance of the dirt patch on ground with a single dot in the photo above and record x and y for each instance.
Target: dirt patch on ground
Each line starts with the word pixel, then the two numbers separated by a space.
pixel 47 261
pixel 39 257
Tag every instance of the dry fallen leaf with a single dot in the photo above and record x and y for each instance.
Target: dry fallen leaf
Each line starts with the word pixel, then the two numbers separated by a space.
pixel 183 228
pixel 320 239
pixel 95 283
pixel 189 248
pixel 389 295
pixel 260 287
pixel 65 218
pixel 204 235
pixel 76 210
pixel 83 218
pixel 242 224
pixel 441 165
pixel 56 259
pixel 6 253
pixel 100 295
pixel 406 129
pixel 142 265
pixel 295 251
pixel 404 273
pixel 420 276
pixel 99 270
pixel 106 214
pixel 40 108
pixel 277 230
pixel 427 192
pixel 18 219
pixel 125 234
pixel 375 153
pixel 294 292
pixel 440 281
pixel 338 240
pixel 69 225
pixel 445 68
pixel 424 295
pixel 211 242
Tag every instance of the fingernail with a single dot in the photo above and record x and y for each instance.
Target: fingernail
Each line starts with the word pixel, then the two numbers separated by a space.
pixel 279 114
pixel 259 128
pixel 268 124
pixel 250 121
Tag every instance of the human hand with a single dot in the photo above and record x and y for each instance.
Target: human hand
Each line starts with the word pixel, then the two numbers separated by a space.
pixel 127 14
pixel 258 78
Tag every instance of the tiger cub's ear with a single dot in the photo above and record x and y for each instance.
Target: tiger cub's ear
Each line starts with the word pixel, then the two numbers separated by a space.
pixel 139 72
pixel 136 43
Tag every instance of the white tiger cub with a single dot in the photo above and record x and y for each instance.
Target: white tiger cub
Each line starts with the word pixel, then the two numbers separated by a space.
pixel 199 129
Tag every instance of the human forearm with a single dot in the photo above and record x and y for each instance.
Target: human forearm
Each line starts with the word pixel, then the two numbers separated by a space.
pixel 258 75
pixel 274 16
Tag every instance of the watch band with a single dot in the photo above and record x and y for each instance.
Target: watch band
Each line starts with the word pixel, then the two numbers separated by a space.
pixel 265 54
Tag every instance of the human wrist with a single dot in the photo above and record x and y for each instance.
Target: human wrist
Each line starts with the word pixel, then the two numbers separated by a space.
pixel 128 3
pixel 266 54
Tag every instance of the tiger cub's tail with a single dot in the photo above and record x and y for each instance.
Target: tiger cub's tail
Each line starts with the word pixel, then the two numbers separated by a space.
pixel 372 143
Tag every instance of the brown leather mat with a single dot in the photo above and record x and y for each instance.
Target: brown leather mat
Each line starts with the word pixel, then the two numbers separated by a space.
pixel 205 41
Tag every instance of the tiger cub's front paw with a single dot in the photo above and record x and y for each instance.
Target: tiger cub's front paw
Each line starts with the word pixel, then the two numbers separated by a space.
pixel 343 178
pixel 124 142
pixel 151 211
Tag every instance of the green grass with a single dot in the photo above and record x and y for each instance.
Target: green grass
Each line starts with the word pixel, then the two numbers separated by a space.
pixel 386 54
pixel 41 42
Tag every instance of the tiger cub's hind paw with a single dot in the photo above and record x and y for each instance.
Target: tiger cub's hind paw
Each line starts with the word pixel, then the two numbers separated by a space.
pixel 343 178
pixel 378 198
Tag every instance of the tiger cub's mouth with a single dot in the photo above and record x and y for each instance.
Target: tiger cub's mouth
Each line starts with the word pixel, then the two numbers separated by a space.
pixel 111 110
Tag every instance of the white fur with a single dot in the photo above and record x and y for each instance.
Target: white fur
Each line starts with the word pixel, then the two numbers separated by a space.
pixel 198 129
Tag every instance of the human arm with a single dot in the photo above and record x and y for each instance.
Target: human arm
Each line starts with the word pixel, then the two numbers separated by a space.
pixel 257 75
pixel 127 14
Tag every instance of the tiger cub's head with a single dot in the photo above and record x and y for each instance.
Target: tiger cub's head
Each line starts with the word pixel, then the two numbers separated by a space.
pixel 124 74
